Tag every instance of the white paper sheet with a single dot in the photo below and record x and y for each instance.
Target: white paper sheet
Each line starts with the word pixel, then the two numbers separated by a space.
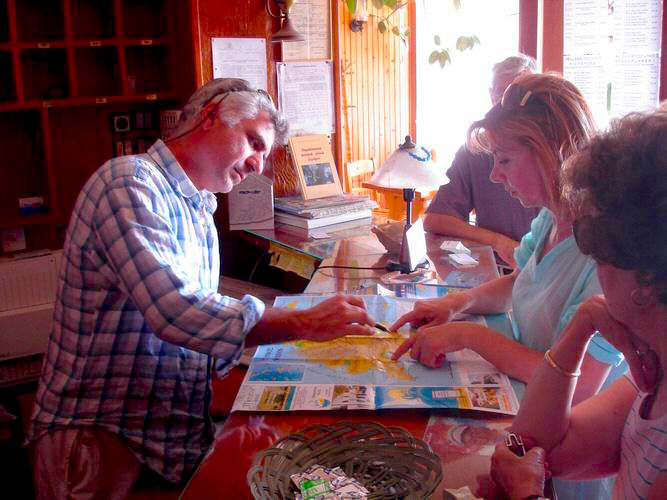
pixel 240 58
pixel 310 18
pixel 306 96
pixel 611 51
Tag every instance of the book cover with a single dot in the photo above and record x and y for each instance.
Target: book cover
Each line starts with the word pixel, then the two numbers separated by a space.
pixel 315 167
pixel 329 210
pixel 295 220
pixel 296 204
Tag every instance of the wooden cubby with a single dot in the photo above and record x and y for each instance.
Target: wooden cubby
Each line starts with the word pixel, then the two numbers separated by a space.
pixel 7 81
pixel 97 71
pixel 93 19
pixel 24 167
pixel 66 68
pixel 4 22
pixel 149 66
pixel 48 74
pixel 144 19
pixel 39 20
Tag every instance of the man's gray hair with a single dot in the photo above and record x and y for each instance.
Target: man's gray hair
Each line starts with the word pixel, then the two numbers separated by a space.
pixel 237 99
pixel 514 65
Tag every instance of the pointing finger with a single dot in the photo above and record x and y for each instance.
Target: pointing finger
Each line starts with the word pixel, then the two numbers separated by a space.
pixel 406 318
pixel 403 348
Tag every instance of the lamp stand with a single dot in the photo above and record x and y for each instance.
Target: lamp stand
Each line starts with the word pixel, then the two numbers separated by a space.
pixel 404 258
pixel 403 265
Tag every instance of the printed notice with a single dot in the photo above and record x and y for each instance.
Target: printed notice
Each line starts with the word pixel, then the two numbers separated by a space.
pixel 306 96
pixel 311 19
pixel 240 58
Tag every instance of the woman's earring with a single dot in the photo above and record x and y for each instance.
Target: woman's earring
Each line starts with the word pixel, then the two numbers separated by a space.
pixel 640 297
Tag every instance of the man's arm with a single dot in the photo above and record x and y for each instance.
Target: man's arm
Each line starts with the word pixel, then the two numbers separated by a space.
pixel 335 317
pixel 171 299
pixel 450 225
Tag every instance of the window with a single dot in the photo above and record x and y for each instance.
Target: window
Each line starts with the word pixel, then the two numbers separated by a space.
pixel 450 98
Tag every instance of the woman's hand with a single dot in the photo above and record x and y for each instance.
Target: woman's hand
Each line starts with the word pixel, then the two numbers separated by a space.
pixel 432 312
pixel 519 477
pixel 593 315
pixel 430 345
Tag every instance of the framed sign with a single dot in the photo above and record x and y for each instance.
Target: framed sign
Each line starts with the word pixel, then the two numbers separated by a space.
pixel 315 167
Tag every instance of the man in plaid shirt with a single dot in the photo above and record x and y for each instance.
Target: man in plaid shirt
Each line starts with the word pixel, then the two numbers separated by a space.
pixel 138 323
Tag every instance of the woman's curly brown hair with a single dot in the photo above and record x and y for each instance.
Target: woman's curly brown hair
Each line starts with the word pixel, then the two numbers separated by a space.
pixel 617 188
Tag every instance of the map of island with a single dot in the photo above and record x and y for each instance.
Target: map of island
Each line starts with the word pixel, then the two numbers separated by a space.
pixel 358 372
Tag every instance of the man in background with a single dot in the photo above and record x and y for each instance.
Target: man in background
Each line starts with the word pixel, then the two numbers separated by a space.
pixel 500 220
pixel 138 323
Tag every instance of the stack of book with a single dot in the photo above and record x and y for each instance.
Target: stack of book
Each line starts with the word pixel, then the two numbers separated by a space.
pixel 320 212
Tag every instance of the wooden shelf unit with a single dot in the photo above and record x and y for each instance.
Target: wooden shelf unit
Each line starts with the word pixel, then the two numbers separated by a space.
pixel 66 68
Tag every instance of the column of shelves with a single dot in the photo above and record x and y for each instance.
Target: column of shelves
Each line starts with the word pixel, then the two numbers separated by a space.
pixel 66 67
pixel 83 52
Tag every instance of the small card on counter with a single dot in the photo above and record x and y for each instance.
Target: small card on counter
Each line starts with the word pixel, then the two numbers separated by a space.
pixel 462 260
pixel 454 246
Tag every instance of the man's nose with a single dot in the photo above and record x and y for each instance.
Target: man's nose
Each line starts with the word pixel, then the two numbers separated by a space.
pixel 255 163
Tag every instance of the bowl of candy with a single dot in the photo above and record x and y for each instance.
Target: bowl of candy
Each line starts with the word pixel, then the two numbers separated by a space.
pixel 343 461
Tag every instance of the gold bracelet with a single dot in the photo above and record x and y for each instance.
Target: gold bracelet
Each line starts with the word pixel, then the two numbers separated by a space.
pixel 552 364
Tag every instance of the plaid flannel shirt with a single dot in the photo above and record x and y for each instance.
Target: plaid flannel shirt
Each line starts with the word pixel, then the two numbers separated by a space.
pixel 138 316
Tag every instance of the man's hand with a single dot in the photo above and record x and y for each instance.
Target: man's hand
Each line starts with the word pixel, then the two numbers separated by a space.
pixel 519 477
pixel 335 317
pixel 432 312
pixel 504 247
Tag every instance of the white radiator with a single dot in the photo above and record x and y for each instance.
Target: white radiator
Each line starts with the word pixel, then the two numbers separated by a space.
pixel 27 294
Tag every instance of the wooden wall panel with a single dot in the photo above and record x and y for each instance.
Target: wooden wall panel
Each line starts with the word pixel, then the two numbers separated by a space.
pixel 372 72
pixel 240 18
pixel 374 99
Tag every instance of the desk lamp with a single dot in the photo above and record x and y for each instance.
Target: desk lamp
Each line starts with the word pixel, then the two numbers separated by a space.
pixel 410 168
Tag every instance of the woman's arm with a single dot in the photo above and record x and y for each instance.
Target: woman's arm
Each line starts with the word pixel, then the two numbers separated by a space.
pixel 586 439
pixel 430 345
pixel 494 296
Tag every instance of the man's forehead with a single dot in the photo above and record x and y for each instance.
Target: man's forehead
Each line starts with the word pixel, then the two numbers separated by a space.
pixel 262 125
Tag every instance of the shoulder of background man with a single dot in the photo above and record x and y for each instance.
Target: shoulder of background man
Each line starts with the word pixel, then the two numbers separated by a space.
pixel 473 162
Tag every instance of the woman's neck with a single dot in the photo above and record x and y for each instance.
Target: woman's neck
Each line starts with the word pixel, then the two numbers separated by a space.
pixel 561 229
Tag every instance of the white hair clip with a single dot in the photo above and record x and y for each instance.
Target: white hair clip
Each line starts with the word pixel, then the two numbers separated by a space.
pixel 525 99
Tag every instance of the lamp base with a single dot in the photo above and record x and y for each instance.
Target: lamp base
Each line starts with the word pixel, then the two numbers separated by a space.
pixel 392 266
pixel 397 277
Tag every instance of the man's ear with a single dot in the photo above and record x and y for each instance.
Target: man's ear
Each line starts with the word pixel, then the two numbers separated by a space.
pixel 211 116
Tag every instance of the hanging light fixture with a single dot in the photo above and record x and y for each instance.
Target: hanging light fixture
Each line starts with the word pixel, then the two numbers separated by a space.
pixel 287 33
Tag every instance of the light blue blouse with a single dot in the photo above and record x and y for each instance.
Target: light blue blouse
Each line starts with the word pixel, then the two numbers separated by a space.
pixel 547 293
pixel 545 296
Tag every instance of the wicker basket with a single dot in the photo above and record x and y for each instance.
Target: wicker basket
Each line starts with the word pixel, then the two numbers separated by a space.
pixel 388 461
